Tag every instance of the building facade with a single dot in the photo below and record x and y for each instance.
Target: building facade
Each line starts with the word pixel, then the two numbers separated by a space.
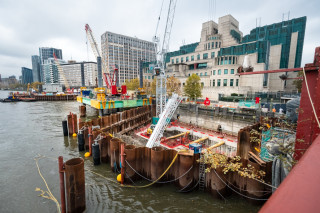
pixel 72 73
pixel 36 68
pixel 45 53
pixel 26 75
pixel 223 48
pixel 50 71
pixel 126 53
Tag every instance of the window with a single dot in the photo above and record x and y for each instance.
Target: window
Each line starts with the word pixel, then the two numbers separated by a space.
pixel 225 82
pixel 205 74
pixel 189 74
pixel 231 82
pixel 172 61
pixel 213 82
pixel 192 58
pixel 183 83
pixel 214 72
pixel 202 84
pixel 232 71
pixel 198 57
pixel 219 72
pixel 201 74
pixel 187 58
pixel 212 45
pixel 221 61
pixel 148 77
pixel 237 82
pixel 225 71
pixel 177 60
pixel 181 59
pixel 209 46
pixel 219 83
pixel 210 83
pixel 196 73
pixel 212 54
pixel 205 55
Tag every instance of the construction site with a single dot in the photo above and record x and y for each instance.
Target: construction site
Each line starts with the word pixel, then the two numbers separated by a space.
pixel 207 147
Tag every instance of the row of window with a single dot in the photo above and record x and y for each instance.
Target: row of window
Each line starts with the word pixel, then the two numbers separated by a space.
pixel 225 82
pixel 212 45
pixel 201 74
pixel 227 60
pixel 204 56
pixel 225 71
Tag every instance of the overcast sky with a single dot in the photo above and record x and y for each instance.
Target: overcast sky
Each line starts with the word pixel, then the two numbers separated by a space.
pixel 26 25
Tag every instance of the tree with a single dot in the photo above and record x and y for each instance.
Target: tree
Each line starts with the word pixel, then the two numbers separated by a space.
pixel 173 86
pixel 133 84
pixel 147 86
pixel 193 88
pixel 298 82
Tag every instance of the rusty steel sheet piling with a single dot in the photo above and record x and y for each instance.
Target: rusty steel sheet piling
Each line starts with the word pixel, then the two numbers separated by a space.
pixel 185 163
pixel 90 136
pixel 114 153
pixel 123 163
pixel 75 185
pixel 214 184
pixel 86 137
pixel 157 158
pixel 82 110
pixel 81 141
pixel 62 188
pixel 103 144
pixel 130 152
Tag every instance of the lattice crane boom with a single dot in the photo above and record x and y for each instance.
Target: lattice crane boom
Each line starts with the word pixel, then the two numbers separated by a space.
pixel 92 40
pixel 164 120
pixel 161 88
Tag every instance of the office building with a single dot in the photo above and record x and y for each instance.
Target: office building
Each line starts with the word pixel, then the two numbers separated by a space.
pixel 36 68
pixel 72 73
pixel 45 53
pixel 223 48
pixel 26 75
pixel 50 71
pixel 126 53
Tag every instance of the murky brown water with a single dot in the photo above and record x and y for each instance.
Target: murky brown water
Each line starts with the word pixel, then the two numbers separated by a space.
pixel 29 129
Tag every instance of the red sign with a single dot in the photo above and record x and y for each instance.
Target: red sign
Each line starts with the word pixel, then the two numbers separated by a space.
pixel 206 102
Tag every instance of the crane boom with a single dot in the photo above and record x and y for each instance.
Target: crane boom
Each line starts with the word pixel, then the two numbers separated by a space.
pixel 161 88
pixel 92 41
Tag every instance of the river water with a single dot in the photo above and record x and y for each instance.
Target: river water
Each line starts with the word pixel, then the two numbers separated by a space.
pixel 31 129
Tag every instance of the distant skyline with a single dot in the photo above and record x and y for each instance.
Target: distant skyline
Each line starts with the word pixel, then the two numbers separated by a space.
pixel 60 24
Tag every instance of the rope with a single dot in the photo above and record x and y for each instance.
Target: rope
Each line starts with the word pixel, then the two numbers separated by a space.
pixel 191 188
pixel 174 159
pixel 225 200
pixel 314 111
pixel 236 191
pixel 181 190
pixel 158 181
pixel 50 197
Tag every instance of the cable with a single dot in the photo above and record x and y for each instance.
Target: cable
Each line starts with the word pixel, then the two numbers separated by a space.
pixel 185 186
pixel 235 190
pixel 191 188
pixel 314 111
pixel 50 197
pixel 225 200
pixel 174 159
pixel 159 181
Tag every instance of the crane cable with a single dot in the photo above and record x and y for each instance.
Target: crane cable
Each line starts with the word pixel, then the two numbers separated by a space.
pixel 314 111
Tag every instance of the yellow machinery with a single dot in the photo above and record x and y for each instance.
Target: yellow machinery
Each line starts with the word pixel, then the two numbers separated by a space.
pixel 101 93
pixel 199 140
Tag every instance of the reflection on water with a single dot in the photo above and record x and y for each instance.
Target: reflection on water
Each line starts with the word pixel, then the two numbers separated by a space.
pixel 29 129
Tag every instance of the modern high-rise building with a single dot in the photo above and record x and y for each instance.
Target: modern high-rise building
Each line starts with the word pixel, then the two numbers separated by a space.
pixel 126 53
pixel 222 50
pixel 72 73
pixel 45 53
pixel 26 75
pixel 50 71
pixel 36 68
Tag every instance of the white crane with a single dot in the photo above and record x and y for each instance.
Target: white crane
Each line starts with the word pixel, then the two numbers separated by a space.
pixel 161 91
pixel 164 120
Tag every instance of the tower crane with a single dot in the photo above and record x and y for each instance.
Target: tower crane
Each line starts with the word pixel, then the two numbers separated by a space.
pixel 161 56
pixel 165 110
